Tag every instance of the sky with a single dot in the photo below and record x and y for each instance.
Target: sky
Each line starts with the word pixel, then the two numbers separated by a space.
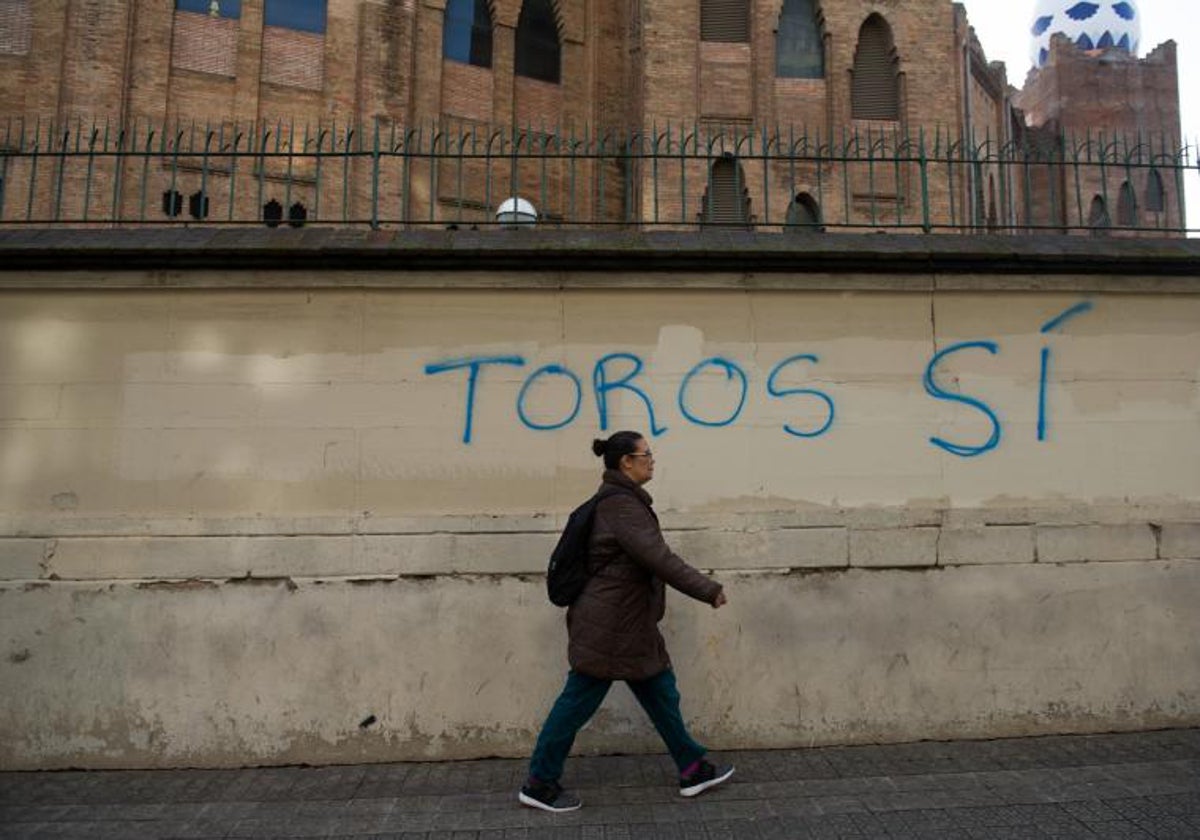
pixel 1003 27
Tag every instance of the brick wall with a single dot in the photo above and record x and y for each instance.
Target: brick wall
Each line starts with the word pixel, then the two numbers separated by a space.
pixel 96 46
pixel 16 27
pixel 538 104
pixel 628 65
pixel 1112 96
pixel 467 91
pixel 205 44
pixel 726 84
pixel 802 104
pixel 292 58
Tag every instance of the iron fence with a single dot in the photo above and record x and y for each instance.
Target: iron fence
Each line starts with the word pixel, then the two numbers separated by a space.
pixel 785 179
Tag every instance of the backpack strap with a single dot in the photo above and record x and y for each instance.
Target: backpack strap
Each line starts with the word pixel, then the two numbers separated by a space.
pixel 603 493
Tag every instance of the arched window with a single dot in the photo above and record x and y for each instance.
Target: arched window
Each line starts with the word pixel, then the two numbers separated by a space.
pixel 198 205
pixel 875 93
pixel 727 201
pixel 1126 206
pixel 725 20
pixel 297 214
pixel 993 219
pixel 980 209
pixel 803 215
pixel 1098 219
pixel 467 32
pixel 1156 201
pixel 172 203
pixel 272 213
pixel 538 52
pixel 799 50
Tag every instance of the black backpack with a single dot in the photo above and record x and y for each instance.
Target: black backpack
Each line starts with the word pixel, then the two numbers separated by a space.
pixel 568 571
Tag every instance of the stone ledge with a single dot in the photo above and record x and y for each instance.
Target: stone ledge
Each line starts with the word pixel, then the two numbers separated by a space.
pixel 199 582
pixel 796 548
pixel 1095 543
pixel 1180 541
pixel 22 558
pixel 894 547
pixel 333 257
pixel 985 544
pixel 106 558
pixel 803 517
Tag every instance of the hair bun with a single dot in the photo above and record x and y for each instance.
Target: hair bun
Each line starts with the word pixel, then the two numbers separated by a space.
pixel 599 447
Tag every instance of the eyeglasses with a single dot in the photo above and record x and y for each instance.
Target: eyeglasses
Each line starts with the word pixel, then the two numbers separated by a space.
pixel 646 454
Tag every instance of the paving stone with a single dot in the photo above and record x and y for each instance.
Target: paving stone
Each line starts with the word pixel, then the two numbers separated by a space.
pixel 1171 828
pixel 1119 830
pixel 1127 785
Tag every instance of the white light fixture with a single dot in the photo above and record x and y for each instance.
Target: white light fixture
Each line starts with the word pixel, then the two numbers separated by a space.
pixel 515 213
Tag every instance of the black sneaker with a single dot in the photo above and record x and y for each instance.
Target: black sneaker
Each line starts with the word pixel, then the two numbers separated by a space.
pixel 549 796
pixel 705 776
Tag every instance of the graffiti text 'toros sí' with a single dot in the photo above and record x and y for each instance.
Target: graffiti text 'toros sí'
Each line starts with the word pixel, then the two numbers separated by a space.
pixel 624 372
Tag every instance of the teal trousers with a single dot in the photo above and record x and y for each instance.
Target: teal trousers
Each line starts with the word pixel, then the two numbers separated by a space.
pixel 579 700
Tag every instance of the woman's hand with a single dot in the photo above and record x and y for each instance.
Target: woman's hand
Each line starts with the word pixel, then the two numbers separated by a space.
pixel 720 600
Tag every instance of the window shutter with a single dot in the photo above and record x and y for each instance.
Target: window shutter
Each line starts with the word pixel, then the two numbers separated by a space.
pixel 1098 219
pixel 803 214
pixel 980 210
pixel 16 28
pixel 726 21
pixel 876 91
pixel 993 219
pixel 1155 197
pixel 1126 206
pixel 726 202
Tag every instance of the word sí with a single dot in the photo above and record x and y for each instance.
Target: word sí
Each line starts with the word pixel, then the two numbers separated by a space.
pixel 616 372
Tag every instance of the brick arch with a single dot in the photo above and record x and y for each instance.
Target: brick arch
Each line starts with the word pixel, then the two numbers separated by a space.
pixel 568 17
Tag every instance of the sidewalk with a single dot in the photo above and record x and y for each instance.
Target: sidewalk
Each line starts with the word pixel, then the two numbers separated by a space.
pixel 1109 786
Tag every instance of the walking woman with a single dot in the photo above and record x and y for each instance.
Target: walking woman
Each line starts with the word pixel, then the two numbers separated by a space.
pixel 613 630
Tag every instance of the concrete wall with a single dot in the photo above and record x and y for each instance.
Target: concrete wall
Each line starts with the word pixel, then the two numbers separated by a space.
pixel 241 511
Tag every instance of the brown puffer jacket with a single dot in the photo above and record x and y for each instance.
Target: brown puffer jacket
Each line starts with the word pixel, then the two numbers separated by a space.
pixel 613 624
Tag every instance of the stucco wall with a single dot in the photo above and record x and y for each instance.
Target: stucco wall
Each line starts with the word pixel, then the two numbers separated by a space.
pixel 236 521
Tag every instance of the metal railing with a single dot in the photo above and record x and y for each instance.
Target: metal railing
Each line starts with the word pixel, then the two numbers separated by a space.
pixel 381 174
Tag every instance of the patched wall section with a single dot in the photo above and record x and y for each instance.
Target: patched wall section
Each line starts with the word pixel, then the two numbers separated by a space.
pixel 236 524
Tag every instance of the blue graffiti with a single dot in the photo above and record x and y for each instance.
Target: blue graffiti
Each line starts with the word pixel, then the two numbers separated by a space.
pixel 935 391
pixel 730 368
pixel 776 391
pixel 602 385
pixel 1076 310
pixel 620 371
pixel 474 364
pixel 548 370
pixel 1053 325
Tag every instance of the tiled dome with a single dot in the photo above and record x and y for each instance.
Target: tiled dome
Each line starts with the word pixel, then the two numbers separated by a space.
pixel 1091 24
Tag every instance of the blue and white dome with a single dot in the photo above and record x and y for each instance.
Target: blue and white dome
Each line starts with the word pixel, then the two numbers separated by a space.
pixel 1091 24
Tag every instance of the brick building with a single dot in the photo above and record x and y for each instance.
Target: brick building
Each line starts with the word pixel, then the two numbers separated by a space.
pixel 778 114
